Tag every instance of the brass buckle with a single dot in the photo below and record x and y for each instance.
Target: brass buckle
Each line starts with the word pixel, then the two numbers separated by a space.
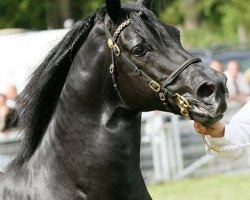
pixel 162 96
pixel 154 86
pixel 116 49
pixel 111 69
pixel 112 45
pixel 183 104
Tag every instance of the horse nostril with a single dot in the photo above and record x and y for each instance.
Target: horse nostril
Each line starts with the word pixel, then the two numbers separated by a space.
pixel 205 90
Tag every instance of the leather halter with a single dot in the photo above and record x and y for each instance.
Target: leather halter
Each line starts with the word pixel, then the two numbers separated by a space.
pixel 161 90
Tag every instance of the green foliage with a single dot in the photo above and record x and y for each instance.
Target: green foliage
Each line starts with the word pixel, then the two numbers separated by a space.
pixel 90 6
pixel 16 13
pixel 216 21
pixel 236 13
pixel 219 20
pixel 41 14
pixel 173 13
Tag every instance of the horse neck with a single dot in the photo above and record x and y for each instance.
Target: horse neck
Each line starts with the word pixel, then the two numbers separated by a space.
pixel 100 141
pixel 96 138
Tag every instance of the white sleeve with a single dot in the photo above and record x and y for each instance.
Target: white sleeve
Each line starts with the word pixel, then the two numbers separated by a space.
pixel 237 132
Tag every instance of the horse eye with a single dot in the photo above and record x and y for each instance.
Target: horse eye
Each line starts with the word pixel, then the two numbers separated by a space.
pixel 139 50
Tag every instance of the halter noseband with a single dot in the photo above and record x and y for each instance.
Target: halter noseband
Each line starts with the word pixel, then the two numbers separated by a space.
pixel 161 90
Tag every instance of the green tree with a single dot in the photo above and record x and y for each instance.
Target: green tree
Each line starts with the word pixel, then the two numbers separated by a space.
pixel 236 19
pixel 43 14
pixel 16 13
pixel 204 23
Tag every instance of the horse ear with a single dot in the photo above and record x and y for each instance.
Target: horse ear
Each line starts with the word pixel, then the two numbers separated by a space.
pixel 113 9
pixel 146 3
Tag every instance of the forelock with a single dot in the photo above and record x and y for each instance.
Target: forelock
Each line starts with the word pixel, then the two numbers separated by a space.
pixel 156 33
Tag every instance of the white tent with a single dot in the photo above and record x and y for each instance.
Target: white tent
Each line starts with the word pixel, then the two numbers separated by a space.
pixel 21 53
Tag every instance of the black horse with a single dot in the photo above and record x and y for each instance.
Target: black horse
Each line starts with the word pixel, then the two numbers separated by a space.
pixel 81 109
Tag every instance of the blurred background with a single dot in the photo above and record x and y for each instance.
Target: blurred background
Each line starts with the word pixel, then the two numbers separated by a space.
pixel 214 29
pixel 170 150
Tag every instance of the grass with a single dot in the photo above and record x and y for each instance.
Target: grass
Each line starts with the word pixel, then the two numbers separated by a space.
pixel 234 187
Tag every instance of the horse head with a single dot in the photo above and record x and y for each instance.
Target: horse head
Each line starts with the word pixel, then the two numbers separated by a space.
pixel 152 71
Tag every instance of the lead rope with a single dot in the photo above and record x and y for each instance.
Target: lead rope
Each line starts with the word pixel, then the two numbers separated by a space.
pixel 225 148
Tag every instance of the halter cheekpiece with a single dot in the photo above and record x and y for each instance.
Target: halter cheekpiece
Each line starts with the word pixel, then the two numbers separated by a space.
pixel 161 90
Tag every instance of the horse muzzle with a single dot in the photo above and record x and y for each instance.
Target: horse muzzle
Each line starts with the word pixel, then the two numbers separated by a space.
pixel 209 102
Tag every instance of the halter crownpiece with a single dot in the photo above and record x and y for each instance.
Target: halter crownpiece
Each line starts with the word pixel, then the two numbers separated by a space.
pixel 112 39
pixel 161 90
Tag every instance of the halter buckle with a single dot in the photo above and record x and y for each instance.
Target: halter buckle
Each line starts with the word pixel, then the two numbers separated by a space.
pixel 162 96
pixel 116 49
pixel 154 86
pixel 112 45
pixel 183 104
pixel 111 69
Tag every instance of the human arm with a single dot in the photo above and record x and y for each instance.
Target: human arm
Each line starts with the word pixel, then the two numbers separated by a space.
pixel 229 137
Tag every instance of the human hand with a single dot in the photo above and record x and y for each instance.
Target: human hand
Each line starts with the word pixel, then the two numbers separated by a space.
pixel 216 130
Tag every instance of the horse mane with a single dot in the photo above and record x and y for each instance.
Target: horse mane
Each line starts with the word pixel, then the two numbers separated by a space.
pixel 38 100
